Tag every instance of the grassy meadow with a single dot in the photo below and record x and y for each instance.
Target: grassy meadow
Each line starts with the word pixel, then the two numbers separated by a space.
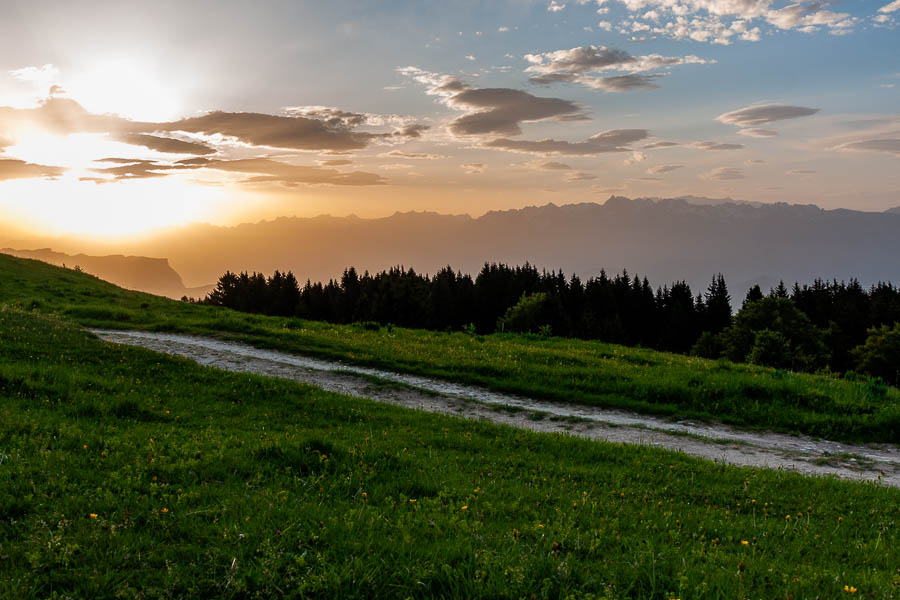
pixel 125 473
pixel 561 369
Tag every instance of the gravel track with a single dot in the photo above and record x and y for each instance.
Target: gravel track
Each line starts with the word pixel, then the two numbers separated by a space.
pixel 713 441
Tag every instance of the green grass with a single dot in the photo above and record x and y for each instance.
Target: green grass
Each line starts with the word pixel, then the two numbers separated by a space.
pixel 126 473
pixel 560 369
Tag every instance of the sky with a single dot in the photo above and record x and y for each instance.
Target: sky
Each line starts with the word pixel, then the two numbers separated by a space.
pixel 122 118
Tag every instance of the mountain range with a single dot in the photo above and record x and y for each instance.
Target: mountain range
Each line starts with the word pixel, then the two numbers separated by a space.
pixel 686 238
pixel 664 239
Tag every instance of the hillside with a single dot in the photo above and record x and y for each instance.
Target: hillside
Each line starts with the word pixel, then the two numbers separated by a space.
pixel 665 240
pixel 150 475
pixel 152 275
pixel 566 370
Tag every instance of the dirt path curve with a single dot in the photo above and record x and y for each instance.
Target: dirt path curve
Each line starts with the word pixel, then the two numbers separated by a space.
pixel 712 441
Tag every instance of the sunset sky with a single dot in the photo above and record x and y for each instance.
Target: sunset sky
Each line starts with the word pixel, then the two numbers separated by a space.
pixel 121 118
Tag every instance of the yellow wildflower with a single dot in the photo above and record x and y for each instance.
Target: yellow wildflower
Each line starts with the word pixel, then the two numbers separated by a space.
pixel 93 515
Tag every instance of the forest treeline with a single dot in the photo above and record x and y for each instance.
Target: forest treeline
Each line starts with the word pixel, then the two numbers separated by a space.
pixel 828 325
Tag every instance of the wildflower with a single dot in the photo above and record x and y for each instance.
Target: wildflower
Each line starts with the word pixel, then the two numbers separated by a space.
pixel 85 446
pixel 745 543
pixel 93 515
pixel 465 507
pixel 365 495
pixel 164 510
pixel 168 412
pixel 515 533
pixel 787 517
pixel 412 500
pixel 849 589
pixel 540 526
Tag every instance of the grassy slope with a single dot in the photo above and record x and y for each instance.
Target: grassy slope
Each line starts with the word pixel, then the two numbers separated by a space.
pixel 124 471
pixel 558 368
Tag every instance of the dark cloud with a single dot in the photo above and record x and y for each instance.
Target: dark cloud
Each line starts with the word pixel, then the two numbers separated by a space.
pixel 330 130
pixel 257 129
pixel 500 111
pixel 624 83
pixel 412 131
pixel 616 140
pixel 765 113
pixel 19 169
pixel 574 64
pixel 716 146
pixel 164 144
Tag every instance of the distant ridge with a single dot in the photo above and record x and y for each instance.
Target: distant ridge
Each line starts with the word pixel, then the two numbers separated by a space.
pixel 895 210
pixel 153 275
pixel 686 238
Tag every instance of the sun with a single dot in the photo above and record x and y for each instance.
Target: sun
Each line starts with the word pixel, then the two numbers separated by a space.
pixel 126 87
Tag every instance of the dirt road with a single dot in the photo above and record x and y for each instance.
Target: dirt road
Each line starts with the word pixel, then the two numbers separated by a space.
pixel 712 441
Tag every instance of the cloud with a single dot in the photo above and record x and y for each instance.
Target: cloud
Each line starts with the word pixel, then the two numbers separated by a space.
pixel 338 162
pixel 296 133
pixel 37 75
pixel 552 166
pixel 328 130
pixel 659 169
pixel 725 21
pixel 724 174
pixel 164 144
pixel 556 6
pixel 501 111
pixel 575 65
pixel 581 177
pixel 615 140
pixel 19 169
pixel 656 145
pixel 473 168
pixel 889 8
pixel 635 158
pixel 808 17
pixel 758 133
pixel 884 145
pixel 765 113
pixel 800 172
pixel 716 146
pixel 492 111
pixel 128 169
pixel 413 155
pixel 267 170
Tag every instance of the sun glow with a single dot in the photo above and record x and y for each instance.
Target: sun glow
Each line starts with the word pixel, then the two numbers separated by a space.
pixel 76 151
pixel 68 205
pixel 124 87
